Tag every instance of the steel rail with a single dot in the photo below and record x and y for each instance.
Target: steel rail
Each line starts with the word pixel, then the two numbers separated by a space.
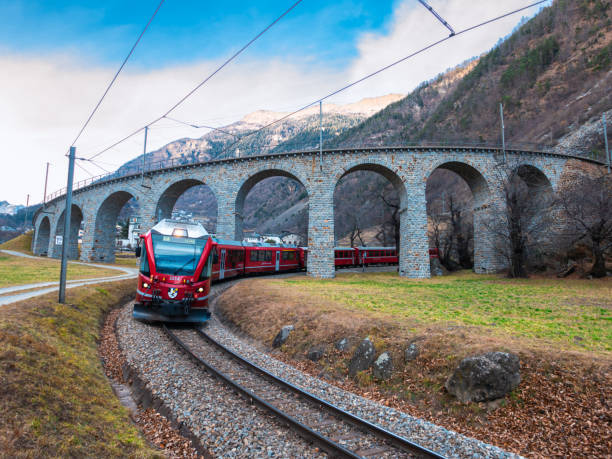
pixel 334 449
pixel 378 431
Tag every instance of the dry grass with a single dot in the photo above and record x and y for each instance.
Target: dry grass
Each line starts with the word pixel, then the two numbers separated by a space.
pixel 21 243
pixel 18 270
pixel 55 399
pixel 566 374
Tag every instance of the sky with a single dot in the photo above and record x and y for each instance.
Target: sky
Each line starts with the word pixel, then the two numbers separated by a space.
pixel 58 57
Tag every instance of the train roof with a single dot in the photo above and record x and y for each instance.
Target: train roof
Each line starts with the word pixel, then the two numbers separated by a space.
pixel 177 228
pixel 376 248
pixel 344 248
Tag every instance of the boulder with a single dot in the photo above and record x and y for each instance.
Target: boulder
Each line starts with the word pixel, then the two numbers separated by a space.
pixel 316 352
pixel 383 366
pixel 362 357
pixel 485 377
pixel 282 336
pixel 342 344
pixel 411 352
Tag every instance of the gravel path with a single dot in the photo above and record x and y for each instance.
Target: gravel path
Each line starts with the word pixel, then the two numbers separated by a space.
pixel 230 427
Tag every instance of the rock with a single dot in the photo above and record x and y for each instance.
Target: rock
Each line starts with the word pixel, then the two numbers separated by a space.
pixel 362 357
pixel 411 352
pixel 383 366
pixel 485 377
pixel 342 344
pixel 316 352
pixel 282 336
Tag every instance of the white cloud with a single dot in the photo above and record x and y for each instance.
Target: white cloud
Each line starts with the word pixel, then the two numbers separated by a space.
pixel 45 100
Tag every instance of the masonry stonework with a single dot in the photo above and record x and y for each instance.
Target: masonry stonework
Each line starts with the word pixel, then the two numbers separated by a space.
pixel 408 169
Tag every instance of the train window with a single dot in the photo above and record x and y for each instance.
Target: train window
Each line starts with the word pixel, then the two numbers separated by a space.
pixel 144 261
pixel 215 256
pixel 206 270
pixel 268 255
pixel 254 255
pixel 288 256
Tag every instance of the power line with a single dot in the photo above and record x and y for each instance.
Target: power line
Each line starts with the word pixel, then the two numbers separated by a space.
pixel 118 72
pixel 86 171
pixel 399 61
pixel 200 126
pixel 203 82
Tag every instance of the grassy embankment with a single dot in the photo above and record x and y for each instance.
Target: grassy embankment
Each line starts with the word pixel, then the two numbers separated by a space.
pixel 561 329
pixel 21 243
pixel 55 399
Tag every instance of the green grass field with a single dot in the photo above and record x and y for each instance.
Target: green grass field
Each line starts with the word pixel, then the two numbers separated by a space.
pixel 18 270
pixel 575 312
pixel 56 400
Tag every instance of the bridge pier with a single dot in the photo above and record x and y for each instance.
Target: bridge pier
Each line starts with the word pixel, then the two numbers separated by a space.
pixel 321 232
pixel 414 242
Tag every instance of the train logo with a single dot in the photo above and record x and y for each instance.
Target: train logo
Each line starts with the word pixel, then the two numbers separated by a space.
pixel 172 292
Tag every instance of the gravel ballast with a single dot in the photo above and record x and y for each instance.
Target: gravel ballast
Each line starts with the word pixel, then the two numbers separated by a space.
pixel 229 426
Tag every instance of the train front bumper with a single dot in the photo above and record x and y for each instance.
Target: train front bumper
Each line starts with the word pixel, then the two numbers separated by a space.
pixel 165 311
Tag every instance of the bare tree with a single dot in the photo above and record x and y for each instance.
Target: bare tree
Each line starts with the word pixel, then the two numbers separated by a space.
pixel 586 208
pixel 392 224
pixel 520 220
pixel 356 233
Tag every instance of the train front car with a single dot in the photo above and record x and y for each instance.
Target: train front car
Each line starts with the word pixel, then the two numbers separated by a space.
pixel 174 274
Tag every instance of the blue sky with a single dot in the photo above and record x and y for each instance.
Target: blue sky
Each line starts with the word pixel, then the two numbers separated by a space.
pixel 187 31
pixel 57 58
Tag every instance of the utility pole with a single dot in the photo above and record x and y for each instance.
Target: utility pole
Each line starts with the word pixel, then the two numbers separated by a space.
pixel 25 219
pixel 608 158
pixel 321 135
pixel 46 180
pixel 501 115
pixel 67 218
pixel 144 154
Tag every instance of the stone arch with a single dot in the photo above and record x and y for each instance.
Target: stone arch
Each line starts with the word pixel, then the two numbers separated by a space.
pixel 534 178
pixel 472 176
pixel 43 233
pixel 76 217
pixel 169 197
pixel 413 244
pixel 247 185
pixel 105 219
pixel 486 259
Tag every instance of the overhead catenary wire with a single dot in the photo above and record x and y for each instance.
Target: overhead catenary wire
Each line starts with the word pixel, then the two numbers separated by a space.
pixel 118 72
pixel 200 126
pixel 205 80
pixel 382 69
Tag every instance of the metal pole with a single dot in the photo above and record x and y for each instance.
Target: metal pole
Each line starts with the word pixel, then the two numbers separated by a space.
pixel 67 216
pixel 46 180
pixel 608 156
pixel 144 153
pixel 501 114
pixel 25 219
pixel 320 135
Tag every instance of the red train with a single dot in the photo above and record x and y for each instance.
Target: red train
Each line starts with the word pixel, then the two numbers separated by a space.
pixel 179 260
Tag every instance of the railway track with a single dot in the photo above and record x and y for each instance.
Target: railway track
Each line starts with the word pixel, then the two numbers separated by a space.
pixel 337 432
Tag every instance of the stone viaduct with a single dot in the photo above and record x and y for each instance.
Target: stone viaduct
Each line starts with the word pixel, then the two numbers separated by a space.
pixel 97 206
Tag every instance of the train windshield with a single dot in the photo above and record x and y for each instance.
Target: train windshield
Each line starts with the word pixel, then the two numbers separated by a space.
pixel 177 255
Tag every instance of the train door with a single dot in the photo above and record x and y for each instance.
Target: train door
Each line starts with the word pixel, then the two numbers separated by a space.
pixel 222 265
pixel 277 260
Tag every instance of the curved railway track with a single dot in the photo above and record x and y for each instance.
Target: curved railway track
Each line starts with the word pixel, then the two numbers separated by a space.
pixel 338 432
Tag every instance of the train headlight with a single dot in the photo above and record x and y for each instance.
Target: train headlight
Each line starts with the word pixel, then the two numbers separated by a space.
pixel 145 285
pixel 201 290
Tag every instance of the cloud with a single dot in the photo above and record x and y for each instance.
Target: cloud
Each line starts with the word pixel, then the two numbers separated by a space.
pixel 413 27
pixel 45 99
